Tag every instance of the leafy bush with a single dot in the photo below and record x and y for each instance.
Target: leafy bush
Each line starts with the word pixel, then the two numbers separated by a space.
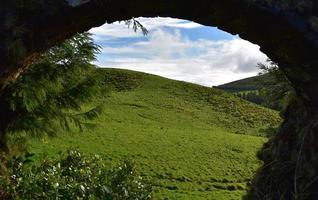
pixel 74 176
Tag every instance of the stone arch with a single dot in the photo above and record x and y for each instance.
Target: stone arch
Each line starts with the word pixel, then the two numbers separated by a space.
pixel 287 32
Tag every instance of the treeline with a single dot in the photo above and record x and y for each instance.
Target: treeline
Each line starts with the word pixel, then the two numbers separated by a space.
pixel 256 96
pixel 252 96
pixel 270 89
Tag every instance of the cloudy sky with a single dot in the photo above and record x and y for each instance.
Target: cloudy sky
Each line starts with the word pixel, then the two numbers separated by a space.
pixel 178 49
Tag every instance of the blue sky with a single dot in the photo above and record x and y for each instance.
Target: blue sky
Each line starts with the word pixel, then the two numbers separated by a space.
pixel 178 49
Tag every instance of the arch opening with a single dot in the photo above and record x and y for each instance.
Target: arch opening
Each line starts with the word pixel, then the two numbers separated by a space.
pixel 287 33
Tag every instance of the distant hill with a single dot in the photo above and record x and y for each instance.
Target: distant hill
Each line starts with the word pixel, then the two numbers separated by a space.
pixel 247 84
pixel 249 89
pixel 193 142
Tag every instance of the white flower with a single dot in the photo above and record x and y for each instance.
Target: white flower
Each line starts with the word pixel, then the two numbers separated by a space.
pixel 106 189
pixel 82 188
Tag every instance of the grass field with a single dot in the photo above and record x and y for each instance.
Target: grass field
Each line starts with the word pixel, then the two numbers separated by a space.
pixel 192 142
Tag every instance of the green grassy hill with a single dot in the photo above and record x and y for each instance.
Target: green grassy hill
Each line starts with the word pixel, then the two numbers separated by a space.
pixel 193 142
pixel 247 84
pixel 250 90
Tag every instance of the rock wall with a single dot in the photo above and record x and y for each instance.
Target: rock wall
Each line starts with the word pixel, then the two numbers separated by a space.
pixel 290 158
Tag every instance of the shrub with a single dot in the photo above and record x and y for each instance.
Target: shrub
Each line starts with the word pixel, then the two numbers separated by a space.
pixel 73 176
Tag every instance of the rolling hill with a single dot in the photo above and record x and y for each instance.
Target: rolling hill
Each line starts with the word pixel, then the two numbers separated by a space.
pixel 247 84
pixel 193 142
pixel 249 89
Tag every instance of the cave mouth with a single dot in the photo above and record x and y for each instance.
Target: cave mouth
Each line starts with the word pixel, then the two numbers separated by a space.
pixel 286 31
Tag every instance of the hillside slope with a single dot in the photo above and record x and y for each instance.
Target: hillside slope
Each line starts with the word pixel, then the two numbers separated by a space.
pixel 247 84
pixel 250 90
pixel 201 104
pixel 193 142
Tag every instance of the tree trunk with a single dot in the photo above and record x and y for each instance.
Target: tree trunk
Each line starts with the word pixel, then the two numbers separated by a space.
pixel 4 148
pixel 4 152
pixel 6 117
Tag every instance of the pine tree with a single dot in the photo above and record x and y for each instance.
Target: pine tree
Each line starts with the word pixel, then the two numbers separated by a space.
pixel 50 94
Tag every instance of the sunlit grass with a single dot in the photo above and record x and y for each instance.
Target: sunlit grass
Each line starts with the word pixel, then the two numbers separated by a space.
pixel 193 142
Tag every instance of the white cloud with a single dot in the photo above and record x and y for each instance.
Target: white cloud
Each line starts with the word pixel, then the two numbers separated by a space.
pixel 191 71
pixel 115 30
pixel 157 22
pixel 237 54
pixel 173 55
pixel 120 30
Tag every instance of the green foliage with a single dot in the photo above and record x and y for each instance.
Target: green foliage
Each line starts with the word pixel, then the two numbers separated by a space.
pixel 50 94
pixel 252 96
pixel 136 25
pixel 270 88
pixel 194 142
pixel 74 176
pixel 277 92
